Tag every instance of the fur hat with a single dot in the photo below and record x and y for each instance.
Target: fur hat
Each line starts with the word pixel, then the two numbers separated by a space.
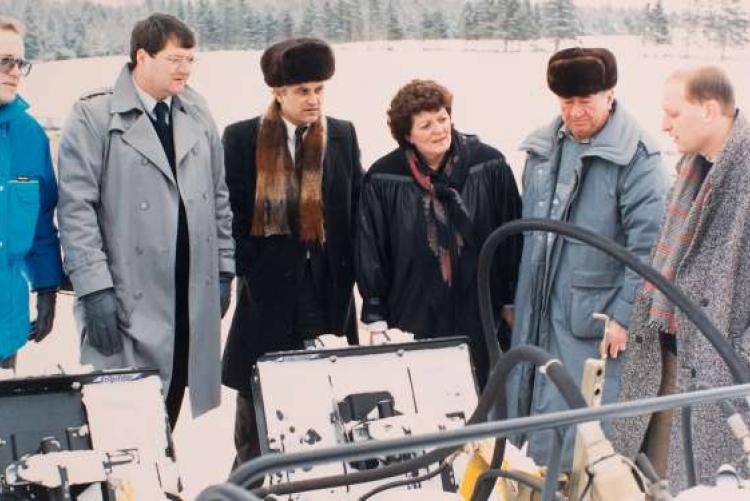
pixel 297 60
pixel 580 71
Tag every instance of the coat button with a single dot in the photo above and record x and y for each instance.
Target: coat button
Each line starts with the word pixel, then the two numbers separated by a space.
pixel 144 161
pixel 137 295
pixel 704 302
pixel 144 205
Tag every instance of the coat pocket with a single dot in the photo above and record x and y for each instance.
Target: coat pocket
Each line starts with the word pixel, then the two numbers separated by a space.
pixel 23 210
pixel 592 291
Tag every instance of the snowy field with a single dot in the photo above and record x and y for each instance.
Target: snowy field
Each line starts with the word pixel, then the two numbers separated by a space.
pixel 499 96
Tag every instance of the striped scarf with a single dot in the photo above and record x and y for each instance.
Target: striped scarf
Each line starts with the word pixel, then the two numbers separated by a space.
pixel 690 196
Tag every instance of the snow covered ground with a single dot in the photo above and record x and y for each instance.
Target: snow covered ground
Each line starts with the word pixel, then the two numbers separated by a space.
pixel 500 96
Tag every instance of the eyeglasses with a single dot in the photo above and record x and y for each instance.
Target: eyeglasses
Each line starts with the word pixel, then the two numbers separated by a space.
pixel 7 63
pixel 177 61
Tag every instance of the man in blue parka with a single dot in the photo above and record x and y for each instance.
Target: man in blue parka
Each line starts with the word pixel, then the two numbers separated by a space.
pixel 594 167
pixel 29 246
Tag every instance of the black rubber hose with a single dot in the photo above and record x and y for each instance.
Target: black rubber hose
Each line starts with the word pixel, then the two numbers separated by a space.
pixel 686 428
pixel 492 399
pixel 226 492
pixel 739 368
pixel 490 475
pixel 554 370
pixel 404 481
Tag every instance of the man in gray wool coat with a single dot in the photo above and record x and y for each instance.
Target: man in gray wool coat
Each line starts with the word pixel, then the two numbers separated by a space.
pixel 702 248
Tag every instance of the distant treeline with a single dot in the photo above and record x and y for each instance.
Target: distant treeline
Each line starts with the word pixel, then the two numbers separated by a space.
pixel 58 30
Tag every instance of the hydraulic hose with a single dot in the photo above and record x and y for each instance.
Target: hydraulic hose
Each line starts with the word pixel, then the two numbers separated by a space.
pixel 405 481
pixel 738 368
pixel 226 492
pixel 686 428
pixel 492 399
pixel 553 369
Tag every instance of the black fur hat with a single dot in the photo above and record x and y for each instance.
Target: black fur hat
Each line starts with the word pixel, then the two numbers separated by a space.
pixel 580 71
pixel 297 60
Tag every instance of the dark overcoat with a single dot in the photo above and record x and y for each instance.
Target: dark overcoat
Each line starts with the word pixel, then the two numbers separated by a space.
pixel 398 274
pixel 270 268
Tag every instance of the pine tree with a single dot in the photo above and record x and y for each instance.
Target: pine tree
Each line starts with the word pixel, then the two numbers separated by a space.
pixel 270 27
pixel 434 26
pixel 467 25
pixel 393 25
pixel 560 21
pixel 286 25
pixel 311 24
pixel 34 40
pixel 659 25
pixel 727 25
pixel 375 20
pixel 253 33
pixel 512 23
pixel 691 21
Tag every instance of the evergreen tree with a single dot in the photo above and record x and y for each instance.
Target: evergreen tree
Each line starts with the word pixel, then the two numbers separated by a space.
pixel 270 28
pixel 487 13
pixel 691 21
pixel 311 24
pixel 659 25
pixel 253 33
pixel 34 40
pixel 434 26
pixel 529 22
pixel 467 25
pixel 375 20
pixel 513 26
pixel 727 25
pixel 286 24
pixel 393 25
pixel 560 21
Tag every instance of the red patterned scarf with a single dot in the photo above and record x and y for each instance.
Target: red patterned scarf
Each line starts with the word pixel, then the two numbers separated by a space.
pixel 690 196
pixel 449 226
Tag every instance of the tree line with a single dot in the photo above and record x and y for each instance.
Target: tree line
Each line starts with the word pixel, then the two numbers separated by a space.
pixel 80 28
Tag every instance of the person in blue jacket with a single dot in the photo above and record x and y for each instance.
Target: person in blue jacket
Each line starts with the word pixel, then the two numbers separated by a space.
pixel 29 246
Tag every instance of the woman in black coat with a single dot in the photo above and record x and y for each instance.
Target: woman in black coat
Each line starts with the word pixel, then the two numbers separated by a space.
pixel 426 209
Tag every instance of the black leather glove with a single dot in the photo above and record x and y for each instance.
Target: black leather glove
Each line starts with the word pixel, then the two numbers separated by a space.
pixel 46 300
pixel 100 316
pixel 225 292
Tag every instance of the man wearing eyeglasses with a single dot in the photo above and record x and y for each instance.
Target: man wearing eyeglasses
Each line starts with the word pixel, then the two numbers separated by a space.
pixel 29 247
pixel 145 219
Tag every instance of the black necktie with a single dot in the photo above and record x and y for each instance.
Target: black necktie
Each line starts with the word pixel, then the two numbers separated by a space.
pixel 160 110
pixel 298 136
pixel 162 129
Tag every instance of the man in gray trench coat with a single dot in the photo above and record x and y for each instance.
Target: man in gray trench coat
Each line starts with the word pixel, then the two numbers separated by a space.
pixel 145 221
pixel 593 166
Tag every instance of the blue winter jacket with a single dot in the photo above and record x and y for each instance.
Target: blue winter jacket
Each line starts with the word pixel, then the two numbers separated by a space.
pixel 29 246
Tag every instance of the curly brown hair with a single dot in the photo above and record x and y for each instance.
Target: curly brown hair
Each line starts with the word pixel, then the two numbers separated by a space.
pixel 415 97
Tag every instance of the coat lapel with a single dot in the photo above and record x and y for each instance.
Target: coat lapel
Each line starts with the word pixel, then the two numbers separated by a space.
pixel 142 137
pixel 129 116
pixel 187 131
